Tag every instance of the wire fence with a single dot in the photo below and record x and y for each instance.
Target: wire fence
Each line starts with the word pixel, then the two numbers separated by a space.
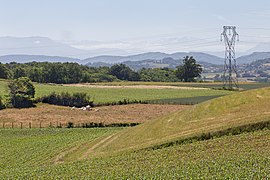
pixel 31 125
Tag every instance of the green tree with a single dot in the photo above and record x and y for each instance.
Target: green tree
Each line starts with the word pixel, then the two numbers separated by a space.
pixel 19 72
pixel 123 72
pixel 158 75
pixel 189 70
pixel 4 72
pixel 21 92
pixel 36 75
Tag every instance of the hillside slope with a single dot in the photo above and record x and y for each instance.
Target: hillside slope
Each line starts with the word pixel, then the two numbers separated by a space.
pixel 211 116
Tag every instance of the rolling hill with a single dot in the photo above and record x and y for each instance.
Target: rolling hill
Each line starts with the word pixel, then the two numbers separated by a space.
pixel 253 57
pixel 203 57
pixel 215 115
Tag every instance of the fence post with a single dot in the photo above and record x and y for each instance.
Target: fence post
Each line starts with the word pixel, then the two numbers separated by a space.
pixel 39 124
pixel 21 125
pixel 12 125
pixel 3 125
pixel 30 125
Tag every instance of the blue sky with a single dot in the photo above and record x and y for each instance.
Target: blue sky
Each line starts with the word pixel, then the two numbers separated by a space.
pixel 127 20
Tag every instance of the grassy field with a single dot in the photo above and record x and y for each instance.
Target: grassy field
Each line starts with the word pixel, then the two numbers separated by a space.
pixel 225 112
pixel 107 95
pixel 36 154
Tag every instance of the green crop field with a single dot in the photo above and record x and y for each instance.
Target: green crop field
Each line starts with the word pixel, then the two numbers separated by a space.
pixel 27 148
pixel 30 154
pixel 106 95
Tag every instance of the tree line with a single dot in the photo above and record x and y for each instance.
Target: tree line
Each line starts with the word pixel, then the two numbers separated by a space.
pixel 68 73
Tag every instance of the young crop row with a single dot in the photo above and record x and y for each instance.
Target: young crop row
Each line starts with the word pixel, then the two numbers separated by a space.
pixel 39 147
pixel 244 156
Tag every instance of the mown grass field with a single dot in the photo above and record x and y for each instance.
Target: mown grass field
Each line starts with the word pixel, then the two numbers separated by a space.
pixel 108 95
pixel 36 154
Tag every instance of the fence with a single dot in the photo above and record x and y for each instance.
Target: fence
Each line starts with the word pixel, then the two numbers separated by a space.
pixel 30 125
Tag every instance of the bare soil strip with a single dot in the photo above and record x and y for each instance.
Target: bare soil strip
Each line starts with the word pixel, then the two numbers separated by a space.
pixel 133 86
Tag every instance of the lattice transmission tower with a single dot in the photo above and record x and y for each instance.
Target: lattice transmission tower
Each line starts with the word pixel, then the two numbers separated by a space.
pixel 230 75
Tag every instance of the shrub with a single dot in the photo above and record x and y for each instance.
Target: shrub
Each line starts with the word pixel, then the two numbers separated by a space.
pixel 70 125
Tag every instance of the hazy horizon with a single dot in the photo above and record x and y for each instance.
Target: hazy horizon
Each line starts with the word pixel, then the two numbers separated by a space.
pixel 129 27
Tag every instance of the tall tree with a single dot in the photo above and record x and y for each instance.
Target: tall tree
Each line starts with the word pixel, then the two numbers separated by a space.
pixel 4 72
pixel 123 72
pixel 21 92
pixel 189 70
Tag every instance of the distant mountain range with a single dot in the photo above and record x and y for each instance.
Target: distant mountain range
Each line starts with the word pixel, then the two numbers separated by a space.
pixel 29 49
pixel 202 57
pixel 253 57
pixel 151 59
pixel 38 58
pixel 164 63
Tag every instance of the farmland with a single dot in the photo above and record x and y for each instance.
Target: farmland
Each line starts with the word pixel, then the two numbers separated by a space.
pixel 150 150
pixel 35 147
pixel 101 95
pixel 243 156
pixel 214 85
pixel 46 114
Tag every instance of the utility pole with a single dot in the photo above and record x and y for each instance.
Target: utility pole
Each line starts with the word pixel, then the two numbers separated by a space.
pixel 229 36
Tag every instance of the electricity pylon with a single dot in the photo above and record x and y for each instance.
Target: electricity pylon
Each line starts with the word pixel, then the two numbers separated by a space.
pixel 229 35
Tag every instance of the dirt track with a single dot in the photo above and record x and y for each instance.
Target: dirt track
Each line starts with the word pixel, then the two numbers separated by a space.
pixel 132 86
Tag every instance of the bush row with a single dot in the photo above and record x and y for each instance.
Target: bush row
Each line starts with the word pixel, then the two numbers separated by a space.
pixel 100 125
pixel 67 99
pixel 122 102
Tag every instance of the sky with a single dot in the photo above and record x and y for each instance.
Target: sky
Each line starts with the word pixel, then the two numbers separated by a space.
pixel 136 24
